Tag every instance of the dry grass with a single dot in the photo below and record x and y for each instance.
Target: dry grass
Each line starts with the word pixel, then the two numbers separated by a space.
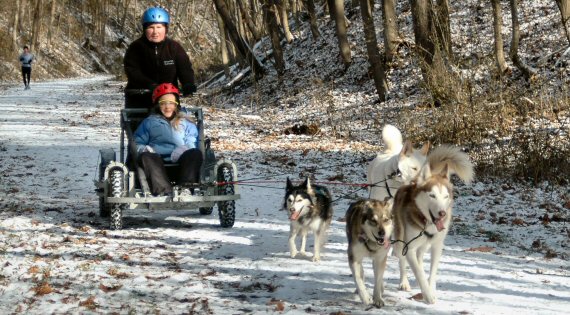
pixel 511 128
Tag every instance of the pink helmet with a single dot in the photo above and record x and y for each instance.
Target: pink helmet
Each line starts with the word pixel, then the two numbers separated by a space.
pixel 162 89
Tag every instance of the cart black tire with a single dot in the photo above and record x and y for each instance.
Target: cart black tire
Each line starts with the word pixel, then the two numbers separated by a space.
pixel 206 210
pixel 116 211
pixel 107 156
pixel 226 209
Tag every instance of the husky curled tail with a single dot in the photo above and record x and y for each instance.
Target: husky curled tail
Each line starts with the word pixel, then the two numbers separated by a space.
pixel 457 162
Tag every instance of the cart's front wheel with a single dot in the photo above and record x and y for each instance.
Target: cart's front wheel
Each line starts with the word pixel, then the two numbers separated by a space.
pixel 116 211
pixel 107 156
pixel 226 209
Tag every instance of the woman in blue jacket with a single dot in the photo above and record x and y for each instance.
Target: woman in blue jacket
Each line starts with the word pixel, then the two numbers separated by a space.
pixel 167 135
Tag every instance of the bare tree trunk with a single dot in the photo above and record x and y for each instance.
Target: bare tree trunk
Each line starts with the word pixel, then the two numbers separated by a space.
pixel 36 27
pixel 423 33
pixel 248 21
pixel 514 53
pixel 270 16
pixel 310 4
pixel 497 26
pixel 282 7
pixel 391 38
pixel 238 41
pixel 223 46
pixel 295 13
pixel 564 7
pixel 15 24
pixel 124 16
pixel 51 19
pixel 372 47
pixel 337 10
pixel 443 28
pixel 103 21
pixel 22 14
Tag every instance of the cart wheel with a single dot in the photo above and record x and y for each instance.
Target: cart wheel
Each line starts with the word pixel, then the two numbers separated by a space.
pixel 116 209
pixel 226 209
pixel 206 211
pixel 107 156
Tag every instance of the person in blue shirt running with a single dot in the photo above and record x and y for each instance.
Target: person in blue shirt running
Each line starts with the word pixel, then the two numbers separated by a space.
pixel 26 58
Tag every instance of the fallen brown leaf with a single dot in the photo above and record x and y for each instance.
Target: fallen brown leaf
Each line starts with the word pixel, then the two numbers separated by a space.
pixel 417 297
pixel 483 249
pixel 34 269
pixel 519 221
pixel 89 303
pixel 43 289
pixel 107 289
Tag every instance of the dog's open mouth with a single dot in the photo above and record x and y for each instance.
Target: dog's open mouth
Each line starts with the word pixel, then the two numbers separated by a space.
pixel 439 222
pixel 383 241
pixel 294 215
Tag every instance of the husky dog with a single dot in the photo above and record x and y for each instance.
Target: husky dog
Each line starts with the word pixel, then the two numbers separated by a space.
pixel 394 167
pixel 422 214
pixel 368 229
pixel 309 207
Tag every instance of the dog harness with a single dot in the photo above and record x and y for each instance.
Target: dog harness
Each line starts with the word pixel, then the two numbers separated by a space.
pixel 394 174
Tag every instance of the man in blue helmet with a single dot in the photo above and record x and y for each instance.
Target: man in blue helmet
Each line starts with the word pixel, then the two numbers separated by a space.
pixel 154 59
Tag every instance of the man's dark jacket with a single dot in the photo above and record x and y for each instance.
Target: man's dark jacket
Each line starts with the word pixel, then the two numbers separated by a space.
pixel 148 64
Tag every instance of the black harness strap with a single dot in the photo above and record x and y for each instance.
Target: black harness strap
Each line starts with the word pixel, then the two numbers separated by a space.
pixel 394 174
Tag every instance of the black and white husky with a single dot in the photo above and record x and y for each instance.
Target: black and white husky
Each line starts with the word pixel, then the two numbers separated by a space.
pixel 309 208
pixel 368 229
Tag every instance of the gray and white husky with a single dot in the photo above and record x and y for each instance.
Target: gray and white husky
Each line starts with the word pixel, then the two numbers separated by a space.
pixel 397 165
pixel 368 229
pixel 310 210
pixel 422 214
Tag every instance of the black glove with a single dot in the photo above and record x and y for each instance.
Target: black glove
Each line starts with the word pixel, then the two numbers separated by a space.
pixel 188 89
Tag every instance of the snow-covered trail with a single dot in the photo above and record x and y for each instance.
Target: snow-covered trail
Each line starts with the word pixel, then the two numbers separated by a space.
pixel 57 256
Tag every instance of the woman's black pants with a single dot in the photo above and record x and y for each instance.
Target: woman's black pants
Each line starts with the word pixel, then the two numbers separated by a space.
pixel 157 177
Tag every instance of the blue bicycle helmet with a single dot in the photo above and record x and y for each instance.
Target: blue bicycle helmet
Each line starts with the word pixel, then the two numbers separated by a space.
pixel 155 15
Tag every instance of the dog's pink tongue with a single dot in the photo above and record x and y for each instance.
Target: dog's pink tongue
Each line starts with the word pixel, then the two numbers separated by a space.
pixel 387 242
pixel 439 224
pixel 294 216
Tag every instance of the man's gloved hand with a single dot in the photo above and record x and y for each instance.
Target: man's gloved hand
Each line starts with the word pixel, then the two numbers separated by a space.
pixel 178 152
pixel 188 89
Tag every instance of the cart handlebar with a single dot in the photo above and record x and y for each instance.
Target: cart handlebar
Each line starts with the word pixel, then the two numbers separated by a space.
pixel 147 91
pixel 137 91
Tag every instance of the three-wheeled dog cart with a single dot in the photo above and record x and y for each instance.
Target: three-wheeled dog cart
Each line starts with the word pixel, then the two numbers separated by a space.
pixel 122 183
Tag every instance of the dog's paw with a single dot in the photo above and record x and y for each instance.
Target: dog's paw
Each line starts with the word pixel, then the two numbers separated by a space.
pixel 366 299
pixel 429 298
pixel 316 258
pixel 293 253
pixel 304 253
pixel 404 286
pixel 378 302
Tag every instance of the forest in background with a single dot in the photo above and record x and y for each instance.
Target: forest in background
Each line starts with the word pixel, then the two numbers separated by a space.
pixel 78 37
pixel 498 69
